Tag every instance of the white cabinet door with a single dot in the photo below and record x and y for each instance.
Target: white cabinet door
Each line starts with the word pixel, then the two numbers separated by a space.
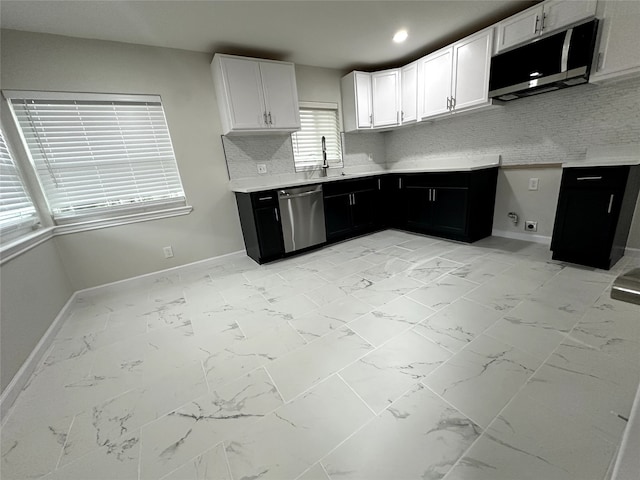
pixel 619 54
pixel 409 93
pixel 435 82
pixel 243 86
pixel 560 13
pixel 519 28
pixel 472 60
pixel 281 95
pixel 363 100
pixel 384 86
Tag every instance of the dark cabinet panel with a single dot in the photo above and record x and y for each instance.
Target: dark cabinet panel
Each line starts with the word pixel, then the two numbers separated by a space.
pixel 594 214
pixel 261 227
pixel 417 208
pixel 363 209
pixel 448 210
pixel 337 215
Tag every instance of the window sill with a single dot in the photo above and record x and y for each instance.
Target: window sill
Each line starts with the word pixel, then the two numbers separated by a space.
pixel 25 243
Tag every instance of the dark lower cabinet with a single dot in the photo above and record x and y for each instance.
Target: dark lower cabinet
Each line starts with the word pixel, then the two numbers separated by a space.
pixel 351 207
pixel 594 214
pixel 261 227
pixel 456 205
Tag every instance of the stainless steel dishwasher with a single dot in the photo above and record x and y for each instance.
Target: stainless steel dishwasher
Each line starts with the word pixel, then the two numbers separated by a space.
pixel 302 211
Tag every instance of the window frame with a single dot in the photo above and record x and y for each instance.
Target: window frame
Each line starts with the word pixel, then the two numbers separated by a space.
pixel 108 215
pixel 305 165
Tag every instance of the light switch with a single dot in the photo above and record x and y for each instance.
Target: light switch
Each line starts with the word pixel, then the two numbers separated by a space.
pixel 533 183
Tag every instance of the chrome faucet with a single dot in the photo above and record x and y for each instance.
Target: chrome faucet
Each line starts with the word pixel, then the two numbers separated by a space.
pixel 325 165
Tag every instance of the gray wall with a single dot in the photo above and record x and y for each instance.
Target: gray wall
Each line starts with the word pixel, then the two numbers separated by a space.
pixel 33 287
pixel 48 62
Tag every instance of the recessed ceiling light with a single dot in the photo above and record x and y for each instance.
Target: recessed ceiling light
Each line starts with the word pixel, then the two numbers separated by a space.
pixel 400 36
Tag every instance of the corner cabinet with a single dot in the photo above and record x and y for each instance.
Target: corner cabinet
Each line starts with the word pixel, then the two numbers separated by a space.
pixel 255 96
pixel 618 54
pixel 371 100
pixel 456 78
pixel 261 226
pixel 541 19
pixel 594 214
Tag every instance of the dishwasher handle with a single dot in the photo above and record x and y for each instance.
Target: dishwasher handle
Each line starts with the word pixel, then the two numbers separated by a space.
pixel 286 196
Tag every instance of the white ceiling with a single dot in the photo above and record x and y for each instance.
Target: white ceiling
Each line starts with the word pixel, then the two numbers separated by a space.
pixel 338 34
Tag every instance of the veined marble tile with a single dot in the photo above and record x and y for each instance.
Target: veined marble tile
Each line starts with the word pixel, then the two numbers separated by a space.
pixel 442 292
pixel 106 423
pixel 344 269
pixel 387 290
pixel 32 451
pixel 419 242
pixel 580 381
pixel 423 255
pixel 504 292
pixel 465 254
pixel 316 472
pixel 175 439
pixel 326 294
pixel 419 436
pixel 458 324
pixel 389 320
pixel 383 375
pixel 306 429
pixel 226 364
pixel 572 284
pixel 429 270
pixel 386 254
pixel 303 368
pixel 349 250
pixel 386 269
pixel 330 317
pixel 77 325
pixel 480 379
pixel 353 283
pixel 211 465
pixel 117 460
pixel 480 269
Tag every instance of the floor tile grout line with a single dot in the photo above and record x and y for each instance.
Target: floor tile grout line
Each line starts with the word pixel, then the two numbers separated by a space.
pixel 356 393
pixel 275 385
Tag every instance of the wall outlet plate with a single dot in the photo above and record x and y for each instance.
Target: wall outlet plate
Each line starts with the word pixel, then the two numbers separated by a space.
pixel 168 252
pixel 533 183
pixel 262 168
pixel 530 226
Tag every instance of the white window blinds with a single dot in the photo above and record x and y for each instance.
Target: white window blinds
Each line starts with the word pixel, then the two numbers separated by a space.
pixel 99 155
pixel 17 213
pixel 307 142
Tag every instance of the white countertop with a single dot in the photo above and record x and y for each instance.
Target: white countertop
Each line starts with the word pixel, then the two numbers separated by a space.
pixel 465 164
pixel 608 156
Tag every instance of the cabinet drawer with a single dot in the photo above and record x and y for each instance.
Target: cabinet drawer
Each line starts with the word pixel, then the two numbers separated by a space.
pixel 595 177
pixel 264 199
pixel 458 179
pixel 350 186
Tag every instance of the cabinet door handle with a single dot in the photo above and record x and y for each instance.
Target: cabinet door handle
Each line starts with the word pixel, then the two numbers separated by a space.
pixel 453 103
pixel 371 119
pixel 448 103
pixel 429 194
pixel 265 118
pixel 610 203
pixel 434 194
pixel 262 199
pixel 544 17
pixel 270 122
pixel 277 216
pixel 379 184
pixel 535 29
pixel 400 183
pixel 353 199
pixel 402 116
pixel 588 178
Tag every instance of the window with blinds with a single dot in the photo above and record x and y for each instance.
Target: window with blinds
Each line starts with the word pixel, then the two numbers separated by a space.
pixel 99 156
pixel 17 213
pixel 317 122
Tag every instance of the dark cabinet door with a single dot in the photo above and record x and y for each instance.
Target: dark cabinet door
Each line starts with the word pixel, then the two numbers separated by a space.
pixel 337 215
pixel 417 207
pixel 448 210
pixel 363 209
pixel 269 232
pixel 585 221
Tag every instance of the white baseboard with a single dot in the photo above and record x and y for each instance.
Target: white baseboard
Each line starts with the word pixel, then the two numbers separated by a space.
pixel 145 277
pixel 528 237
pixel 20 379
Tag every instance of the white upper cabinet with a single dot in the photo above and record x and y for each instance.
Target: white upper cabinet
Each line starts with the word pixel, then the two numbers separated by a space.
pixel 618 54
pixel 457 77
pixel 435 82
pixel 255 96
pixel 409 93
pixel 385 89
pixel 356 101
pixel 542 19
pixel 472 61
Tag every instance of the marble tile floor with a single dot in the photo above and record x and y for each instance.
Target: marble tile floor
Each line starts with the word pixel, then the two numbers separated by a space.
pixel 390 356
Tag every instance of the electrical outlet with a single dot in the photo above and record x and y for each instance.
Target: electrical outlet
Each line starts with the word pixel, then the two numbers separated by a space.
pixel 168 252
pixel 262 168
pixel 533 183
pixel 530 226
